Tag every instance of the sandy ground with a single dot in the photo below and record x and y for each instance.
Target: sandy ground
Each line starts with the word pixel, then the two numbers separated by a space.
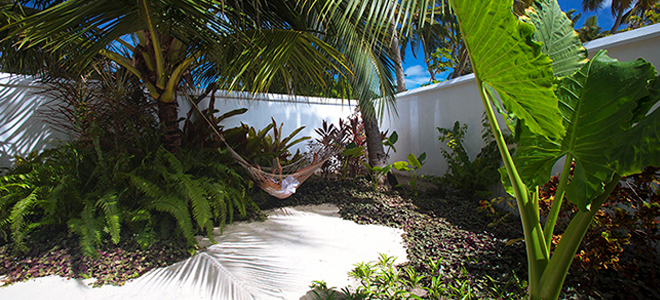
pixel 274 259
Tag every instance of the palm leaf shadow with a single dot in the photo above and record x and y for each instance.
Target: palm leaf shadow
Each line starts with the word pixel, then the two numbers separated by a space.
pixel 274 259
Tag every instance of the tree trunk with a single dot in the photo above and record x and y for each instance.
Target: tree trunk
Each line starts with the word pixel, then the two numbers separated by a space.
pixel 617 22
pixel 377 156
pixel 398 64
pixel 168 114
pixel 461 64
pixel 427 58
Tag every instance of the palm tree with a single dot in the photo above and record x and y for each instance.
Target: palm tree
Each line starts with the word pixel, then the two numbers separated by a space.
pixel 238 45
pixel 619 8
pixel 590 30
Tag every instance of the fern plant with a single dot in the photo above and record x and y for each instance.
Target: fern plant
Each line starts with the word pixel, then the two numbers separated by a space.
pixel 197 202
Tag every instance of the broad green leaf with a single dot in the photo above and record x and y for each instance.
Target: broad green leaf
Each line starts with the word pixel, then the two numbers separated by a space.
pixel 560 42
pixel 414 161
pixel 639 146
pixel 506 60
pixel 401 166
pixel 596 103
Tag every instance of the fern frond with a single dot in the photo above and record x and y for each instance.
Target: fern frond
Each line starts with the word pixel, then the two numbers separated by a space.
pixel 196 195
pixel 145 186
pixel 216 196
pixel 174 162
pixel 178 208
pixel 112 216
pixel 19 213
pixel 87 229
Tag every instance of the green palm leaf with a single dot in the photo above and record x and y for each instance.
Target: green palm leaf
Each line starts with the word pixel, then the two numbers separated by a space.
pixel 560 42
pixel 506 60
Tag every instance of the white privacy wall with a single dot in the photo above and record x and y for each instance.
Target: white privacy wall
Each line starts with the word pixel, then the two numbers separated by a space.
pixel 440 105
pixel 23 130
pixel 22 127
pixel 290 111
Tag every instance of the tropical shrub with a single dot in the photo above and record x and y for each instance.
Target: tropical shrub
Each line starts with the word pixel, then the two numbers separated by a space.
pixel 262 148
pixel 349 137
pixel 114 180
pixel 625 229
pixel 98 195
pixel 592 112
pixel 465 176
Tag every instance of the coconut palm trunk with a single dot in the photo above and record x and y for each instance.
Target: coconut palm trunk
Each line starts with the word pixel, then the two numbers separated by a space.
pixel 168 114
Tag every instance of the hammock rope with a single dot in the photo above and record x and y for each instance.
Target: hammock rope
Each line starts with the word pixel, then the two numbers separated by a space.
pixel 275 183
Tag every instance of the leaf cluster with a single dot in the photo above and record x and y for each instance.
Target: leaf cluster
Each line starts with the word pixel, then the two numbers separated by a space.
pixel 469 177
pixel 262 147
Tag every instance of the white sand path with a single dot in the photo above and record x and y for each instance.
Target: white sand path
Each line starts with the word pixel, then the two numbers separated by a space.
pixel 274 259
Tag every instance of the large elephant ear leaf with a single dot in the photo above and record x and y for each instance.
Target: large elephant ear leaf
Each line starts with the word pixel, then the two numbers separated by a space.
pixel 505 59
pixel 639 146
pixel 560 42
pixel 598 102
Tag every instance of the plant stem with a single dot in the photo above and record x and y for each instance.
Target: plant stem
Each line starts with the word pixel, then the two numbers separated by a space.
pixel 537 252
pixel 555 274
pixel 551 221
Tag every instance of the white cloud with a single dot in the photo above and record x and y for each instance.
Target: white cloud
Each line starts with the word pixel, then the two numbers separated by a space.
pixel 607 4
pixel 415 71
pixel 415 82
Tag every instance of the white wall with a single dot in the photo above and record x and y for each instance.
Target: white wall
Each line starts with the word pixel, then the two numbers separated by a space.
pixel 23 130
pixel 22 127
pixel 440 105
pixel 292 112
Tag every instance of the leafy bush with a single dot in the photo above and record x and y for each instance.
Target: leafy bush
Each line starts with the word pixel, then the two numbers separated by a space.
pixel 475 177
pixel 260 147
pixel 626 228
pixel 114 180
pixel 350 137
pixel 98 195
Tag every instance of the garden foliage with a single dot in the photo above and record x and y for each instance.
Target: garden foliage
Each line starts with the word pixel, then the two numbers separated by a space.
pixel 114 180
pixel 465 176
pixel 591 112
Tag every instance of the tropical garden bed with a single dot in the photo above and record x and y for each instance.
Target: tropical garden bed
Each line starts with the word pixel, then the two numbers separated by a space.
pixel 481 253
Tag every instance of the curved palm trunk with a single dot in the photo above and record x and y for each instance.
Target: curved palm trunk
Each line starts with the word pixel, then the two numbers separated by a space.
pixel 377 156
pixel 618 21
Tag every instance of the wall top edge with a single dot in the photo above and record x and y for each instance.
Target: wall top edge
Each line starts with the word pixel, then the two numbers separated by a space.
pixel 26 81
pixel 437 86
pixel 625 37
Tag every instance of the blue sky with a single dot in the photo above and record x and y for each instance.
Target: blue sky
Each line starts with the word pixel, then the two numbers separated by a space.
pixel 415 68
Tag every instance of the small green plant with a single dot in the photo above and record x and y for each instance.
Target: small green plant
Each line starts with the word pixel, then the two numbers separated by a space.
pixel 381 280
pixel 412 166
pixel 376 172
pixel 322 292
pixel 470 177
